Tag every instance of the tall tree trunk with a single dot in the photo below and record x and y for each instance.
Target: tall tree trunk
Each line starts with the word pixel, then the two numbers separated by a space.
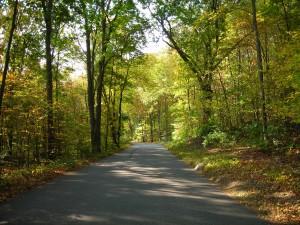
pixel 260 73
pixel 188 94
pixel 151 127
pixel 120 105
pixel 107 101
pixel 113 121
pixel 159 121
pixel 226 101
pixel 98 116
pixel 166 119
pixel 1 132
pixel 102 65
pixel 286 16
pixel 90 79
pixel 240 118
pixel 207 91
pixel 47 10
pixel 57 120
pixel 7 55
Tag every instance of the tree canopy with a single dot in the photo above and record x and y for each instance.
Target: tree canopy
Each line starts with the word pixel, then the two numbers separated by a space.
pixel 230 73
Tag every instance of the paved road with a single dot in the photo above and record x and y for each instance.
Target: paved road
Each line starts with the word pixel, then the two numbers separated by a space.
pixel 143 185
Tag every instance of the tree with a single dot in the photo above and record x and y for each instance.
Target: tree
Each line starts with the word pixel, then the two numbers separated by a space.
pixel 47 6
pixel 231 67
pixel 197 31
pixel 7 55
pixel 104 22
pixel 260 72
pixel 89 14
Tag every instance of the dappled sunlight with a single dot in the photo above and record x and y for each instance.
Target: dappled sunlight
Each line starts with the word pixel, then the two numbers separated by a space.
pixel 164 184
pixel 154 179
pixel 74 173
pixel 244 194
pixel 86 218
pixel 181 194
pixel 113 164
pixel 143 185
pixel 284 195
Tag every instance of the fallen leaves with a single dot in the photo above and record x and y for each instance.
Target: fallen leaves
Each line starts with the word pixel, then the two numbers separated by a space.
pixel 269 184
pixel 15 181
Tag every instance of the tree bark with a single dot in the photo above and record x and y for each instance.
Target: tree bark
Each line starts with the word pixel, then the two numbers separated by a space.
pixel 7 55
pixel 159 121
pixel 207 91
pixel 151 127
pixel 90 79
pixel 120 105
pixel 166 118
pixel 102 65
pixel 113 121
pixel 47 10
pixel 260 72
pixel 108 116
pixel 226 100
pixel 204 78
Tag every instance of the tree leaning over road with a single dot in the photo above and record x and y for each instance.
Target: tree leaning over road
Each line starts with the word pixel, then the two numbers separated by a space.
pixel 216 40
pixel 197 32
pixel 211 83
pixel 75 83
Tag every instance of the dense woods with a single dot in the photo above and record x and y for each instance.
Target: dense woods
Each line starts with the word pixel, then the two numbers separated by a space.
pixel 229 74
pixel 235 74
pixel 76 83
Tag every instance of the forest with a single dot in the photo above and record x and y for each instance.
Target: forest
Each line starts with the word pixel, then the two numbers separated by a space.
pixel 76 81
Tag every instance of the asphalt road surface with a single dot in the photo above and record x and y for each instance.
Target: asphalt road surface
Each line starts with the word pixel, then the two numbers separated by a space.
pixel 143 185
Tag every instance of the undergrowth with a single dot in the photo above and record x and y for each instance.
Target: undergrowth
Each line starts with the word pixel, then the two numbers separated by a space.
pixel 14 181
pixel 269 184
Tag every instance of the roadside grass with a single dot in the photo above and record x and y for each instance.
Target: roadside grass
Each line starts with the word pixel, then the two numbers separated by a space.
pixel 14 181
pixel 269 184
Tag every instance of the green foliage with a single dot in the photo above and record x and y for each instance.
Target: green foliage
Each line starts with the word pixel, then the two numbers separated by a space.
pixel 195 155
pixel 204 87
pixel 189 154
pixel 253 131
pixel 213 164
pixel 276 175
pixel 217 138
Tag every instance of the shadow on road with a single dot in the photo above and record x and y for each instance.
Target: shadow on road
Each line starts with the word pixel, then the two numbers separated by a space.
pixel 143 185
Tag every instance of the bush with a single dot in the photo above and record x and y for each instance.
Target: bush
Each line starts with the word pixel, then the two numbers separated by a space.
pixel 218 138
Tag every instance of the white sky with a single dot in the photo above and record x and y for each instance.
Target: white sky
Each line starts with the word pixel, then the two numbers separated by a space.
pixel 153 47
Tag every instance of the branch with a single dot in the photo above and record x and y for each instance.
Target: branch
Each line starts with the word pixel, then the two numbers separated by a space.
pixel 186 58
pixel 230 51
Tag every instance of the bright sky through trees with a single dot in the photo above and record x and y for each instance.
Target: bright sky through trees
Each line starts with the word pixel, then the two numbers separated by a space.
pixel 152 46
pixel 219 82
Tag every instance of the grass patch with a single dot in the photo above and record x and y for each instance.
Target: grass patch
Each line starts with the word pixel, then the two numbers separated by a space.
pixel 269 184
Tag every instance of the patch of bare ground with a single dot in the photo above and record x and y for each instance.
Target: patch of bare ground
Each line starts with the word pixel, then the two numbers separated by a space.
pixel 269 184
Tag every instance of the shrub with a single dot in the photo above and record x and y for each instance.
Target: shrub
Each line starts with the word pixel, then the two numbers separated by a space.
pixel 217 138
